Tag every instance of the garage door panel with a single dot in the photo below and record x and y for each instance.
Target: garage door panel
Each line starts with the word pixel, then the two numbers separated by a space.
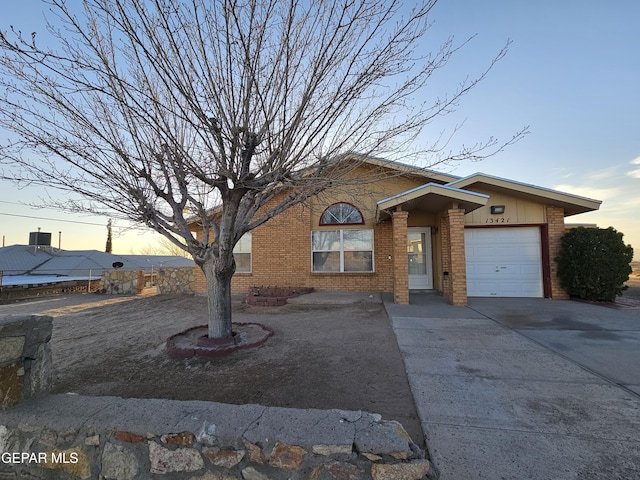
pixel 533 270
pixel 482 289
pixel 504 262
pixel 506 289
pixel 529 251
pixel 532 289
pixel 483 270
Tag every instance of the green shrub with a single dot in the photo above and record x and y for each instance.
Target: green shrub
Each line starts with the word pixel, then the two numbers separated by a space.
pixel 594 263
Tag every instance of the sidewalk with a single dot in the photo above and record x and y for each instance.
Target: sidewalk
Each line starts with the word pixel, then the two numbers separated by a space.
pixel 496 405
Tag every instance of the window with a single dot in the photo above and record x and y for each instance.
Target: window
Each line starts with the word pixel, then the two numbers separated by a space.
pixel 242 254
pixel 341 214
pixel 342 250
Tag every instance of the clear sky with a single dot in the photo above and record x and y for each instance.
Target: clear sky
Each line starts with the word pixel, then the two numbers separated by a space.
pixel 571 75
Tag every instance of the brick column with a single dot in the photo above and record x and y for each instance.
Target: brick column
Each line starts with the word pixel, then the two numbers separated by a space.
pixel 555 227
pixel 400 263
pixel 453 257
pixel 446 256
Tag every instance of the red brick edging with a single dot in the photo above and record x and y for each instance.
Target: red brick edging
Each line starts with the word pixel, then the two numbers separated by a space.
pixel 273 296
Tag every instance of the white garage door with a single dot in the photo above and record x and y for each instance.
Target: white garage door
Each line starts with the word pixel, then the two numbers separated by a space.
pixel 503 262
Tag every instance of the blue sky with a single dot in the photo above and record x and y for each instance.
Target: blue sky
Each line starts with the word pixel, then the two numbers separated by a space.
pixel 571 75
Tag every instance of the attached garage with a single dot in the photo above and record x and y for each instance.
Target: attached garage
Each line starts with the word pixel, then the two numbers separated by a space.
pixel 503 262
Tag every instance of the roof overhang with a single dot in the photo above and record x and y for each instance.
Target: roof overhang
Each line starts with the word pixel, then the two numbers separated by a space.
pixel 572 204
pixel 406 169
pixel 431 198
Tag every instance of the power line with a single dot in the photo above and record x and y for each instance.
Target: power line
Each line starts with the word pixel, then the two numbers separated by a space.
pixel 53 219
pixel 50 219
pixel 32 206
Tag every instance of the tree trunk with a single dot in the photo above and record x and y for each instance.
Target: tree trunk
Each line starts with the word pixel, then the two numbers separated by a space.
pixel 219 267
pixel 218 296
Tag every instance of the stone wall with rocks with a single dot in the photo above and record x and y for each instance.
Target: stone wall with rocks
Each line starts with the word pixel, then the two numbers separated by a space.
pixel 122 282
pixel 176 280
pixel 25 358
pixel 108 438
pixel 10 293
pixel 131 439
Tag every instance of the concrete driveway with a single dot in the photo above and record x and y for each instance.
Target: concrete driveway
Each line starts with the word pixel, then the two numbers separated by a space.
pixel 524 388
pixel 602 339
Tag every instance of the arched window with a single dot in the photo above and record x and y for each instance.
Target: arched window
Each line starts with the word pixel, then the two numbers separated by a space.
pixel 341 214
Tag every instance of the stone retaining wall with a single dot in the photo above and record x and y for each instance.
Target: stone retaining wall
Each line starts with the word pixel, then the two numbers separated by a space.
pixel 176 280
pixel 123 282
pixel 76 437
pixel 25 358
pixel 19 292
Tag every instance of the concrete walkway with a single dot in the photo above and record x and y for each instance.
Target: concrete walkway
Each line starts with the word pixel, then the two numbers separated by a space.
pixel 497 405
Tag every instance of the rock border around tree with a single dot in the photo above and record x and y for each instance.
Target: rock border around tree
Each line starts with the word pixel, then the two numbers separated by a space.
pixel 193 342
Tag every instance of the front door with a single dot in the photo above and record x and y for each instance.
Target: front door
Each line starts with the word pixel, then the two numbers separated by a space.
pixel 419 257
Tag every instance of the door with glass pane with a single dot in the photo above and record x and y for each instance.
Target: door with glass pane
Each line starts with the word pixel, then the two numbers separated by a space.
pixel 419 257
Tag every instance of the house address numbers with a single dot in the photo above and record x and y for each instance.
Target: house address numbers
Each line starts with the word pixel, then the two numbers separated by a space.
pixel 498 220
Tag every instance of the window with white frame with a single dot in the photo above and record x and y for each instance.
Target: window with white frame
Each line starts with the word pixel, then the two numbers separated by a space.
pixel 341 214
pixel 342 250
pixel 242 254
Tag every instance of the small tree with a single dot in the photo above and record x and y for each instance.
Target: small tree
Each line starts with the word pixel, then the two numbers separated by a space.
pixel 594 263
pixel 109 246
pixel 161 110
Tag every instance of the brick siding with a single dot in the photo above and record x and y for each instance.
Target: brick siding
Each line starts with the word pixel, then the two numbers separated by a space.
pixel 281 256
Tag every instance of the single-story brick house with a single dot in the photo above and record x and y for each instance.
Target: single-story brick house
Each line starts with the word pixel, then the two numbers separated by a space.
pixel 415 229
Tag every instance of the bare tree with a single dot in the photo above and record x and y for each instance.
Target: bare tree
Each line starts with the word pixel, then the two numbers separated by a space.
pixel 161 110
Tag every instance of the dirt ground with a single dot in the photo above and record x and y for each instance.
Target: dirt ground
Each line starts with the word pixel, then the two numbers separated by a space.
pixel 323 357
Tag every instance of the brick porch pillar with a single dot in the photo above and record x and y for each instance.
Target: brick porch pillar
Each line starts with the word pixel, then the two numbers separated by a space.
pixel 453 258
pixel 446 256
pixel 555 228
pixel 400 263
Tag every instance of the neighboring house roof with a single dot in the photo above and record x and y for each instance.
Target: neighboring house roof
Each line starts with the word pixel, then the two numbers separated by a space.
pixel 26 280
pixel 19 259
pixel 572 204
pixel 31 260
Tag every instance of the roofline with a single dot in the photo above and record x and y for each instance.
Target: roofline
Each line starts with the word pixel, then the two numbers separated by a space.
pixel 407 168
pixel 589 204
pixel 415 193
pixel 371 160
pixel 472 200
